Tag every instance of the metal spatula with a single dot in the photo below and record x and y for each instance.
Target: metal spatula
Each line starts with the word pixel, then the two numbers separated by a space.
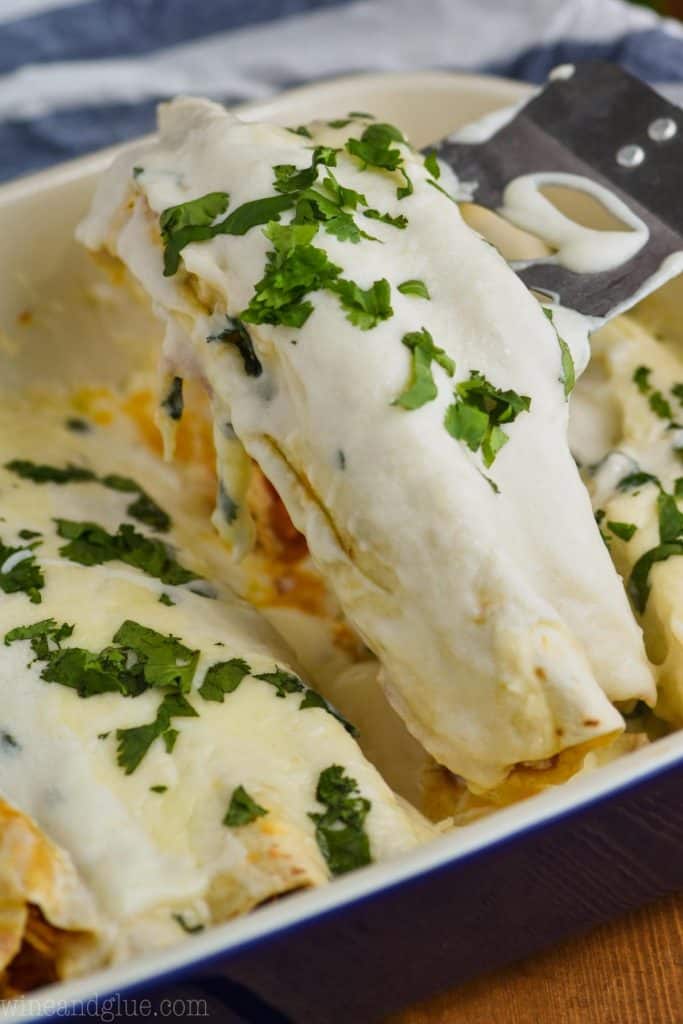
pixel 597 122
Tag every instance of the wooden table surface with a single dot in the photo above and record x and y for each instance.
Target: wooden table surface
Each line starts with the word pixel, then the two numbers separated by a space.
pixel 626 972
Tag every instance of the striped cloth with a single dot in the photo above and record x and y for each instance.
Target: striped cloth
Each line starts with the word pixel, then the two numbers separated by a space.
pixel 80 74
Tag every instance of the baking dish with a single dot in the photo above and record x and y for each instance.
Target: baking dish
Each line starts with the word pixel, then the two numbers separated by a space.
pixel 476 898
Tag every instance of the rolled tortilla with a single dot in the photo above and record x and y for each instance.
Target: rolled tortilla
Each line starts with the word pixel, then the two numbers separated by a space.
pixel 485 591
pixel 124 824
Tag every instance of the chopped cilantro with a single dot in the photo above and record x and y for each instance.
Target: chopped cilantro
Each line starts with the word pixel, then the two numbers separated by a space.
pixel 431 163
pixel 165 599
pixel 399 222
pixel 375 149
pixel 289 178
pixel 255 213
pixel 293 269
pixel 671 545
pixel 193 929
pixel 660 406
pixel 435 184
pixel 158 789
pixel 641 379
pixel 422 387
pixel 242 809
pixel 339 830
pixel 312 699
pixel 361 113
pixel 340 122
pixel 173 403
pixel 20 573
pixel 301 130
pixel 45 636
pixel 134 743
pixel 194 221
pixel 42 474
pixel 78 425
pixel 637 479
pixel 677 392
pixel 364 308
pixel 235 333
pixel 478 412
pixel 144 508
pixel 284 682
pixel 90 544
pixel 622 530
pixel 222 678
pixel 414 287
pixel 29 534
pixel 678 487
pixel 343 196
pixel 568 377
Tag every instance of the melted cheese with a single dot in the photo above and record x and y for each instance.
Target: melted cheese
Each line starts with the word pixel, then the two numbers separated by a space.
pixel 144 856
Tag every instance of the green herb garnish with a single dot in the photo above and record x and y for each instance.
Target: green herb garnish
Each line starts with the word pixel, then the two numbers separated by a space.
pixel 242 809
pixel 194 221
pixel 637 479
pixel 478 412
pixel 42 474
pixel 414 287
pixel 422 387
pixel 660 406
pixel 173 403
pixel 134 743
pixel 399 222
pixel 20 573
pixel 90 544
pixel 671 545
pixel 339 830
pixel 376 149
pixel 641 379
pixel 222 678
pixel 431 163
pixel 364 308
pixel 235 333
pixel 568 378
pixel 622 530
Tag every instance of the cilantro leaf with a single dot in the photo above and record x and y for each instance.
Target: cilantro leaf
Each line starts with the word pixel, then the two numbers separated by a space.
pixel 90 544
pixel 399 222
pixel 622 530
pixel 638 585
pixel 422 387
pixel 193 221
pixel 165 599
pixel 660 406
pixel 313 699
pixel 42 474
pixel 375 149
pixel 134 743
pixel 284 682
pixel 638 479
pixel 677 392
pixel 242 809
pixel 414 287
pixel 478 412
pixel 20 573
pixel 222 678
pixel 289 178
pixel 568 378
pixel 641 378
pixel 173 403
pixel 431 163
pixel 144 508
pixel 364 308
pixel 235 333
pixel 301 130
pixel 339 830
pixel 671 544
pixel 340 122
pixel 293 269
pixel 254 213
pixel 164 660
pixel 45 636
